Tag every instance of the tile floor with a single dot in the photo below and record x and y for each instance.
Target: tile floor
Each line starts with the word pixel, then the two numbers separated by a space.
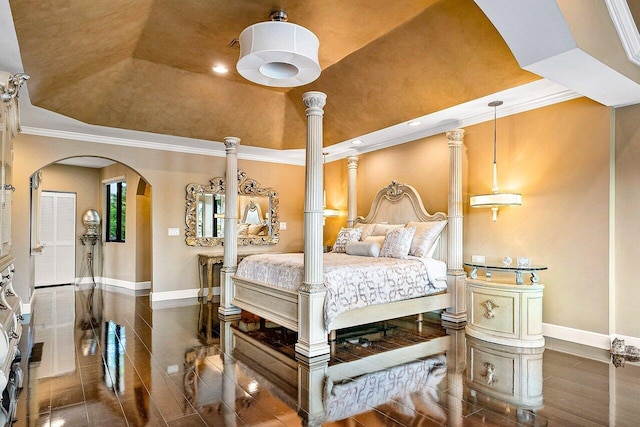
pixel 108 359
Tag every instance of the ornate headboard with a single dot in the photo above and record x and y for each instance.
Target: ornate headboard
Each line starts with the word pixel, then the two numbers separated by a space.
pixel 399 203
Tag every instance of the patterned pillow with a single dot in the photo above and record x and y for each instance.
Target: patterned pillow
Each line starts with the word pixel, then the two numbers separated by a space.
pixel 345 236
pixel 398 242
pixel 426 235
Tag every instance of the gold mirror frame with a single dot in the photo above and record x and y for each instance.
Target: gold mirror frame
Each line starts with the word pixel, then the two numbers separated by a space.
pixel 246 187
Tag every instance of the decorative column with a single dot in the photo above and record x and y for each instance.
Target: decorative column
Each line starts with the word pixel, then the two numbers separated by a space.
pixel 456 277
pixel 352 197
pixel 312 336
pixel 230 228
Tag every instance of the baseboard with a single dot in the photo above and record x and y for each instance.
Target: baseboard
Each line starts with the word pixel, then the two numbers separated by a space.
pixel 133 286
pixel 25 308
pixel 577 336
pixel 181 294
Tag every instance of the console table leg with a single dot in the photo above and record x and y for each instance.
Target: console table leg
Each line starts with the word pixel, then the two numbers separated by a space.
pixel 518 277
pixel 534 277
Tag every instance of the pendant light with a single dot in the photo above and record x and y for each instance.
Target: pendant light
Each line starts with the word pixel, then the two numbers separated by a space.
pixel 278 53
pixel 495 200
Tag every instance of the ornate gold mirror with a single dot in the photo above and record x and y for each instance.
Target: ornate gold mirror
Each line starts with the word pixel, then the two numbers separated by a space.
pixel 257 212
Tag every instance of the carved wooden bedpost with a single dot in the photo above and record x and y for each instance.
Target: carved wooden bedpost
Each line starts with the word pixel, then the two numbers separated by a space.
pixel 312 337
pixel 455 273
pixel 352 199
pixel 230 228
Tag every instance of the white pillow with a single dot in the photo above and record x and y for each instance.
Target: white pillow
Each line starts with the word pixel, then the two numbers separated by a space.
pixel 382 229
pixel 371 249
pixel 426 235
pixel 255 229
pixel 378 239
pixel 367 230
pixel 345 236
pixel 398 242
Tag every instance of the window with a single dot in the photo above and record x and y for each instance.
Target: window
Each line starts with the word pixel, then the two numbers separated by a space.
pixel 117 208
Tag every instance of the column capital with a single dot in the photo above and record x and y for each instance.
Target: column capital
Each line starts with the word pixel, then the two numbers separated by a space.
pixel 231 143
pixel 352 162
pixel 455 136
pixel 315 102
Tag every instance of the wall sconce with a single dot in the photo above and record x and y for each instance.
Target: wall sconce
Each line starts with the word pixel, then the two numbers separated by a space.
pixel 496 199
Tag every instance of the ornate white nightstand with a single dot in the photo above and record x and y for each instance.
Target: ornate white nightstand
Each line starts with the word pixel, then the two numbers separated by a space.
pixel 504 313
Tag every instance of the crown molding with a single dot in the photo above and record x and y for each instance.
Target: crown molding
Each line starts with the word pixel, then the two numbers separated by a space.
pixel 626 28
pixel 530 96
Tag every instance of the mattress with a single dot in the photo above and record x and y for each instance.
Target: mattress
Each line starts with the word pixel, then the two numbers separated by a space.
pixel 351 281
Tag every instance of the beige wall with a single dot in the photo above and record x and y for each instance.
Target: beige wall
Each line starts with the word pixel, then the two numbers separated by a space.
pixel 558 158
pixel 73 179
pixel 627 216
pixel 168 173
pixel 126 260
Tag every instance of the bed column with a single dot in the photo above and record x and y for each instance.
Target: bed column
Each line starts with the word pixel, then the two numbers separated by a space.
pixel 312 337
pixel 455 273
pixel 230 228
pixel 352 198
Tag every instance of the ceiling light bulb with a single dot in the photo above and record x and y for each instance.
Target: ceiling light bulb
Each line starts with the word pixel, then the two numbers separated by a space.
pixel 414 123
pixel 221 69
pixel 357 142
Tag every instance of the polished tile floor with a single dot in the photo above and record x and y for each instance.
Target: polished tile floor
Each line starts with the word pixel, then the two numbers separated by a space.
pixel 103 358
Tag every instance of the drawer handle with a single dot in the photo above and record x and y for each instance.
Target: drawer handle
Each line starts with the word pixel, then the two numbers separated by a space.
pixel 489 374
pixel 490 306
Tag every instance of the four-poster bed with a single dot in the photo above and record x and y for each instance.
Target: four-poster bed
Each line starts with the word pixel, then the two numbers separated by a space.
pixel 302 306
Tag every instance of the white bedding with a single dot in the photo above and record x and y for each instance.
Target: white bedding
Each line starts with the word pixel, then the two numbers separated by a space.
pixel 351 281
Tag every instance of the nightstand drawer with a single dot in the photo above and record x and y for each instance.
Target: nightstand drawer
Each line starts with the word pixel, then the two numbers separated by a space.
pixel 504 313
pixel 495 311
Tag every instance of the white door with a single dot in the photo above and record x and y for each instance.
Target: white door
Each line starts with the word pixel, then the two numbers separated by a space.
pixel 57 263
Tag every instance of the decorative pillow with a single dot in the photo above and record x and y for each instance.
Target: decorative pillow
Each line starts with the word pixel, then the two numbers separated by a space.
pixel 243 229
pixel 255 229
pixel 378 239
pixel 367 230
pixel 371 249
pixel 398 242
pixel 382 229
pixel 345 236
pixel 425 237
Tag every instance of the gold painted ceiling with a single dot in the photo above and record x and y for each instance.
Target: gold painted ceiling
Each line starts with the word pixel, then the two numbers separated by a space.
pixel 146 64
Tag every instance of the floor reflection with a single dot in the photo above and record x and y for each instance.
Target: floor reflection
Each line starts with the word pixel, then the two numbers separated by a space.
pixel 115 361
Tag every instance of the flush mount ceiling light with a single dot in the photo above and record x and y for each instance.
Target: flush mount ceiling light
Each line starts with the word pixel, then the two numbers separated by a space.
pixel 278 53
pixel 220 69
pixel 496 199
pixel 357 142
pixel 414 123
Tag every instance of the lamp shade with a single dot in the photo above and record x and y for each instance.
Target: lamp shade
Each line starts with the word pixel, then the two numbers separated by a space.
pixel 496 200
pixel 279 54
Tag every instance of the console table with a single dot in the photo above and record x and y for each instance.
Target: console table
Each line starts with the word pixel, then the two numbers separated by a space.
pixel 205 271
pixel 533 269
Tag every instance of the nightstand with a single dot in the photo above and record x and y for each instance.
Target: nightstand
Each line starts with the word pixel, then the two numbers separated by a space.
pixel 504 313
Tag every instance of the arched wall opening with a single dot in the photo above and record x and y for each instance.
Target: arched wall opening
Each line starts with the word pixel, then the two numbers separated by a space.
pixel 125 263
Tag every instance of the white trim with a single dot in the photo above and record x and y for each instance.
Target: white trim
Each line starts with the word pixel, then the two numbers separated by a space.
pixel 26 308
pixel 126 284
pixel 526 97
pixel 577 336
pixel 181 294
pixel 612 220
pixel 626 28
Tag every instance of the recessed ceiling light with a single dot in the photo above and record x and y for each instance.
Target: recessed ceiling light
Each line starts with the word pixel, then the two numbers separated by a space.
pixel 357 142
pixel 414 123
pixel 220 69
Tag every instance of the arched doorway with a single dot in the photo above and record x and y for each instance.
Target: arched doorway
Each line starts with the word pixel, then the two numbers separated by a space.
pixel 120 261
